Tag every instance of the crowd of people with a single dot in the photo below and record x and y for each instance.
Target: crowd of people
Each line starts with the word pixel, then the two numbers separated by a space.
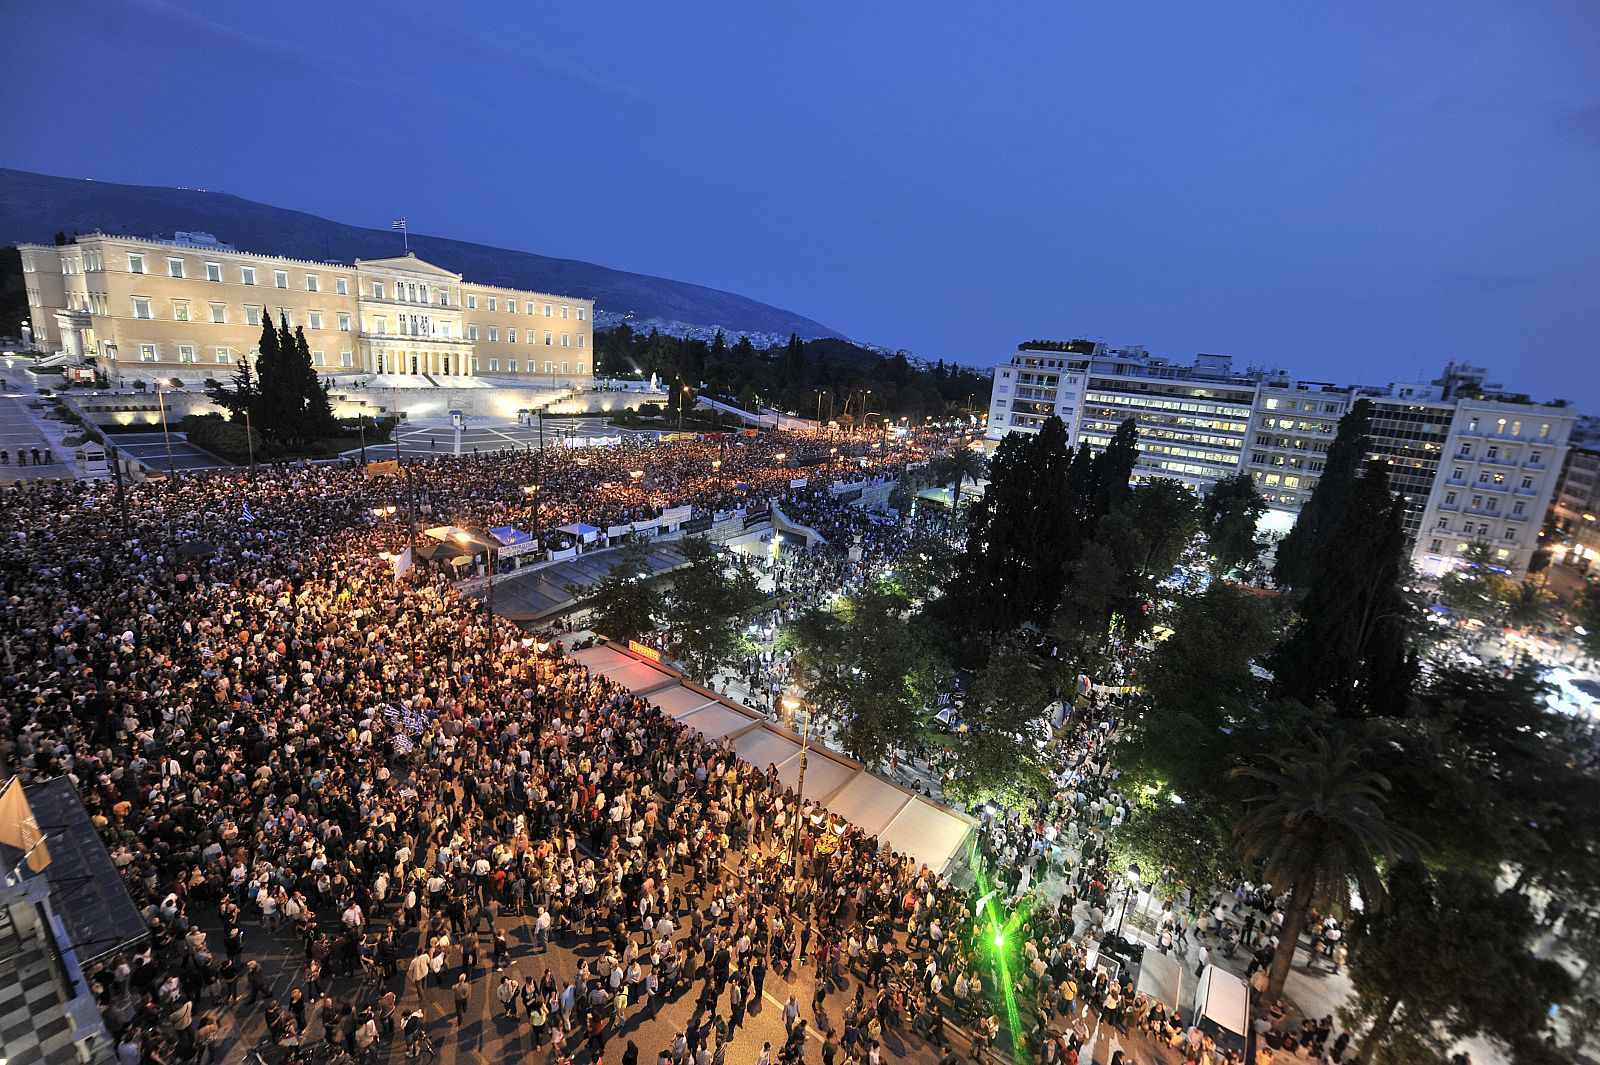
pixel 286 748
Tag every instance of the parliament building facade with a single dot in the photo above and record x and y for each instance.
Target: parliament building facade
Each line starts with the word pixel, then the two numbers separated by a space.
pixel 190 308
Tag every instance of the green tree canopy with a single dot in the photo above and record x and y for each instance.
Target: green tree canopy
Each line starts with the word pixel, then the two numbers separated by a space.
pixel 625 603
pixel 864 670
pixel 708 605
pixel 998 756
pixel 1447 958
pixel 1230 515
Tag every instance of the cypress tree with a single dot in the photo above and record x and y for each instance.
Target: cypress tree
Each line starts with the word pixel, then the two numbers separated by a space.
pixel 1350 646
pixel 1321 514
pixel 1113 469
pixel 275 385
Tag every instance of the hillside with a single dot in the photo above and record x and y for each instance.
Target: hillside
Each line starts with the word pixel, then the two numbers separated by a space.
pixel 33 207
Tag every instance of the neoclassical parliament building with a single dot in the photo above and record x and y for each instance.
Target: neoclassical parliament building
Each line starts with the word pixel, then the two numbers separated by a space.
pixel 189 308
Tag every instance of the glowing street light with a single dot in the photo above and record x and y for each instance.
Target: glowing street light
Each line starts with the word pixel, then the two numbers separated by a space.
pixel 461 536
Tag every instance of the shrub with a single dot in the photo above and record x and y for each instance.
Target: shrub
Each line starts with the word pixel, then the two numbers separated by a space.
pixel 220 437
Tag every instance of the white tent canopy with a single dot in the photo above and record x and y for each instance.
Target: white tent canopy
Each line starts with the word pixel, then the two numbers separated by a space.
pixel 901 819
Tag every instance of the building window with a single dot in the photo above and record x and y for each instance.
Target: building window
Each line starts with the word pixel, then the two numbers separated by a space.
pixel 136 264
pixel 1511 534
pixel 511 306
pixel 280 279
pixel 312 284
pixel 141 308
pixel 380 325
pixel 548 339
pixel 1536 458
pixel 494 334
pixel 180 310
pixel 1444 523
pixel 1450 498
pixel 341 286
pixel 549 367
pixel 316 319
pixel 1437 546
pixel 566 340
pixel 583 314
pixel 494 304
pixel 174 267
pixel 472 303
pixel 548 312
pixel 347 359
pixel 511 334
pixel 580 368
pixel 147 353
pixel 531 308
pixel 252 315
pixel 224 356
pixel 1517 508
pixel 512 366
pixel 317 359
pixel 580 340
pixel 219 314
pixel 494 365
pixel 285 319
pixel 344 323
pixel 564 310
pixel 247 275
pixel 186 354
pixel 472 332
pixel 474 364
pixel 1527 483
pixel 377 290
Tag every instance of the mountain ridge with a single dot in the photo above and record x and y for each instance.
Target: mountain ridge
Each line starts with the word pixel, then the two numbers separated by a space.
pixel 33 207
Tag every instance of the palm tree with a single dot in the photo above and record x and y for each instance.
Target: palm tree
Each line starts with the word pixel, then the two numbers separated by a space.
pixel 956 467
pixel 1317 826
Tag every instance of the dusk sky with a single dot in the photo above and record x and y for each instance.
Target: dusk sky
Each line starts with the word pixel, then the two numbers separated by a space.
pixel 1356 192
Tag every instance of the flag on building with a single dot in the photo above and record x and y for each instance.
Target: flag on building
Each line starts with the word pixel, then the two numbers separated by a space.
pixel 398 223
pixel 19 829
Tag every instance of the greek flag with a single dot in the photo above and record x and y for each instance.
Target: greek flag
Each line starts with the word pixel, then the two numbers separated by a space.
pixel 247 517
pixel 404 744
pixel 398 223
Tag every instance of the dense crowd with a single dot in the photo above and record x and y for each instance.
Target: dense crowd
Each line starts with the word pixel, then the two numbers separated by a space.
pixel 275 736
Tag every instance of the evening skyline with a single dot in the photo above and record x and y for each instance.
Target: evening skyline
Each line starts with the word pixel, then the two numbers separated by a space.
pixel 1353 195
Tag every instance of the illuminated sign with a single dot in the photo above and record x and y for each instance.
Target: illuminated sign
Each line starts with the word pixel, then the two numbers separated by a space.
pixel 644 652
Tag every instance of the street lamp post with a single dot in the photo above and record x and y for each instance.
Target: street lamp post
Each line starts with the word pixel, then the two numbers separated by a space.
pixel 1127 894
pixel 488 561
pixel 532 492
pixel 792 704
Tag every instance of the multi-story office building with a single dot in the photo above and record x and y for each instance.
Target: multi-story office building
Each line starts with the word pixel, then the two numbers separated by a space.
pixel 1470 463
pixel 192 307
pixel 1197 422
pixel 1576 510
pixel 1409 432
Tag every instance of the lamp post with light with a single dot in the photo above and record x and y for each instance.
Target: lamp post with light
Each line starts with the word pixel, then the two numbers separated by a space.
pixel 462 537
pixel 1127 894
pixel 792 704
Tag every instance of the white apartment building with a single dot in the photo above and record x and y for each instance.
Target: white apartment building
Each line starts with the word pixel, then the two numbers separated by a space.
pixel 1497 477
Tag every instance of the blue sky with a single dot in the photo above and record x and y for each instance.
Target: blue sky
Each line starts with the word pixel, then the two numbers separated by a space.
pixel 1352 191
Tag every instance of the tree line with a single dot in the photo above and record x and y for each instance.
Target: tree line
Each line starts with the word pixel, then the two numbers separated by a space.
pixel 824 377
